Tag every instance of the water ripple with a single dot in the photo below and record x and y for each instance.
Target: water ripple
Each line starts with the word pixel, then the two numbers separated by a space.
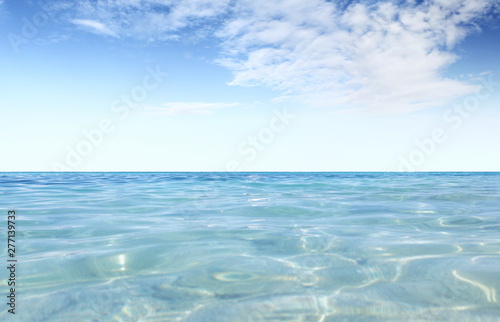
pixel 256 246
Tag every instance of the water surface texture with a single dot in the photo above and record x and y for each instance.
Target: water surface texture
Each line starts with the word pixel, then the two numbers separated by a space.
pixel 254 246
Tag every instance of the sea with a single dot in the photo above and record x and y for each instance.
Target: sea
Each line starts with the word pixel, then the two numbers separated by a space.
pixel 270 246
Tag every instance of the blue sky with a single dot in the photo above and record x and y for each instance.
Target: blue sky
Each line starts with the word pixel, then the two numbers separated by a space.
pixel 296 85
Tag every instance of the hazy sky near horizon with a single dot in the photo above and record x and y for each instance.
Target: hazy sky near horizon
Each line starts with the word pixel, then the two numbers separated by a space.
pixel 250 85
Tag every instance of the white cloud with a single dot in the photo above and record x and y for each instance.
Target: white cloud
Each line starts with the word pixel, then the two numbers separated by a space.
pixel 182 108
pixel 379 56
pixel 95 27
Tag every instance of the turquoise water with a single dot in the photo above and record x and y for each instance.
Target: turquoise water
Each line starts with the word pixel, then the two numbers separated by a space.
pixel 254 246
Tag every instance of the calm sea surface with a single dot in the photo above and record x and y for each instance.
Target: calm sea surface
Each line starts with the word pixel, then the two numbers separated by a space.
pixel 253 246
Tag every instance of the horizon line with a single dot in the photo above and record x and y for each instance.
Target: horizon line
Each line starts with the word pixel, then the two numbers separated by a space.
pixel 340 171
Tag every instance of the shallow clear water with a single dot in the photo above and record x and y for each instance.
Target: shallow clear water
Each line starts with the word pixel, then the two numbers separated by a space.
pixel 254 246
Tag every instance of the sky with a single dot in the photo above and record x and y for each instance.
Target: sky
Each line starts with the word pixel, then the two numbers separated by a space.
pixel 250 85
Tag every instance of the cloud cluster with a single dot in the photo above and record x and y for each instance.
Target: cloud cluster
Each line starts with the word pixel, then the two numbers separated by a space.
pixel 380 56
pixel 384 56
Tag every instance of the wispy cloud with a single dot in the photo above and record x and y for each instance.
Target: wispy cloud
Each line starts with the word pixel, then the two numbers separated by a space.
pixel 51 39
pixel 95 27
pixel 183 108
pixel 143 19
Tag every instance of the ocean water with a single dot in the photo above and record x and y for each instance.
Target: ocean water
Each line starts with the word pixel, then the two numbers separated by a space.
pixel 253 246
